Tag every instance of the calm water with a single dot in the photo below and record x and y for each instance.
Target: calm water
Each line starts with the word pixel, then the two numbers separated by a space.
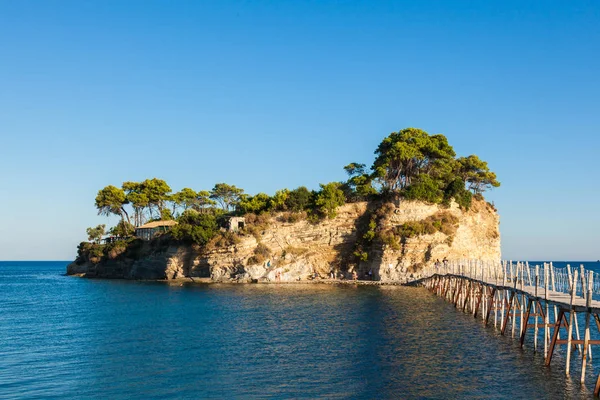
pixel 66 337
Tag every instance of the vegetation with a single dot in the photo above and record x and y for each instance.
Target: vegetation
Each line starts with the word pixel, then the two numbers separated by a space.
pixel 123 229
pixel 261 253
pixel 415 165
pixel 95 234
pixel 195 227
pixel 328 199
pixel 443 222
pixel 409 164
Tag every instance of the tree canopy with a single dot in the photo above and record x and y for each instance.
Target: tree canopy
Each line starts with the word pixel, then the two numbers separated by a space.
pixel 404 155
pixel 95 234
pixel 409 163
pixel 110 200
pixel 226 196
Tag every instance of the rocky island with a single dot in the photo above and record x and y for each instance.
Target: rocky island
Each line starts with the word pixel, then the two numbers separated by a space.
pixel 419 204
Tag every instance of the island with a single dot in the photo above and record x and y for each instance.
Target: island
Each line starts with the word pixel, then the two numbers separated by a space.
pixel 417 205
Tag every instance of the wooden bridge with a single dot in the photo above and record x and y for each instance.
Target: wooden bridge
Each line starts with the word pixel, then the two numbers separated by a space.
pixel 542 306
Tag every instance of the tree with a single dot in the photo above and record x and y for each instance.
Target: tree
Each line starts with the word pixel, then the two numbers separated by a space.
pixel 404 155
pixel 122 229
pixel 165 214
pixel 254 204
pixel 476 174
pixel 195 227
pixel 425 188
pixel 298 199
pixel 157 191
pixel 185 199
pixel 226 195
pixel 95 234
pixel 139 201
pixel 329 198
pixel 203 201
pixel 110 200
pixel 456 190
pixel 278 201
pixel 360 183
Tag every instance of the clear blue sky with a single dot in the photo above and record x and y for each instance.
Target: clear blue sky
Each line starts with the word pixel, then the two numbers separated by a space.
pixel 266 95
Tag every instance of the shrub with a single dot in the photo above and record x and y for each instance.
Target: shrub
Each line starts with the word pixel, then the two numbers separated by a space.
pixel 261 253
pixel 361 255
pixel 443 222
pixel 195 227
pixel 424 188
pixel 298 199
pixel 390 240
pixel 122 229
pixel 292 217
pixel 456 190
pixel 328 199
pixel 224 239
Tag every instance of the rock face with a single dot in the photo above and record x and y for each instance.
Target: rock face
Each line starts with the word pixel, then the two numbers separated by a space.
pixel 301 250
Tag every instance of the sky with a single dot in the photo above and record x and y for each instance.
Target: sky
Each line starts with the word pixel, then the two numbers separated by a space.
pixel 274 94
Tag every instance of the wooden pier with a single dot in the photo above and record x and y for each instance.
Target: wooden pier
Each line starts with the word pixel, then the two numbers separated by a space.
pixel 537 305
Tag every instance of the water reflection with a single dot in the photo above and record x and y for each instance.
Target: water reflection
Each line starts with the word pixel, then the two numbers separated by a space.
pixel 111 339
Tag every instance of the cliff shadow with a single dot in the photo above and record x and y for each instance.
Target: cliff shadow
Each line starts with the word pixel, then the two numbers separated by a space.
pixel 357 253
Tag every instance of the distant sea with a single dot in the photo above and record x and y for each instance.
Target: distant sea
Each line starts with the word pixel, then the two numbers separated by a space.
pixel 65 337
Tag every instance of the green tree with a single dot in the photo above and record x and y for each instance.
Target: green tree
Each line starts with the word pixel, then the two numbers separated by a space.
pixel 111 200
pixel 226 195
pixel 278 201
pixel 404 155
pixel 139 201
pixel 298 199
pixel 360 183
pixel 203 201
pixel 122 229
pixel 329 198
pixel 456 190
pixel 425 188
pixel 95 234
pixel 476 174
pixel 166 215
pixel 254 204
pixel 186 198
pixel 157 191
pixel 195 227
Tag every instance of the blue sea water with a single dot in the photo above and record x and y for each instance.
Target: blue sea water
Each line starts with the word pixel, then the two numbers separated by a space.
pixel 66 337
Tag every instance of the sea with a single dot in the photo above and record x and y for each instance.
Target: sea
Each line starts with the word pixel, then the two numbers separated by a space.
pixel 65 337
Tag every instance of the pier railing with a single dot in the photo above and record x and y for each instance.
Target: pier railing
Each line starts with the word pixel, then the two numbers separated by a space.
pixel 520 274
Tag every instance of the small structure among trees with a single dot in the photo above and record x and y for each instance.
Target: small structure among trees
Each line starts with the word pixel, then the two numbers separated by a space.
pixel 147 231
pixel 234 224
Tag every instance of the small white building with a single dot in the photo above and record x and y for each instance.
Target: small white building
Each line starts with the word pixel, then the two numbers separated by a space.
pixel 235 224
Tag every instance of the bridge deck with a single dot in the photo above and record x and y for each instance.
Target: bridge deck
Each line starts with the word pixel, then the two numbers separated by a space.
pixel 560 299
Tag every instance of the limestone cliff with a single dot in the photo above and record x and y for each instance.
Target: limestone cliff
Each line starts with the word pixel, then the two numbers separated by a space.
pixel 300 250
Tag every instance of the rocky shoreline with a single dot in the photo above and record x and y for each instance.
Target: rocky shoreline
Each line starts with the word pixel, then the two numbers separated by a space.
pixel 207 281
pixel 296 252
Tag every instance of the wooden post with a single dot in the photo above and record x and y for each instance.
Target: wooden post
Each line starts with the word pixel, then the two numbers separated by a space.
pixel 554 289
pixel 546 321
pixel 588 304
pixel 523 299
pixel 571 312
pixel 535 313
pixel 503 299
